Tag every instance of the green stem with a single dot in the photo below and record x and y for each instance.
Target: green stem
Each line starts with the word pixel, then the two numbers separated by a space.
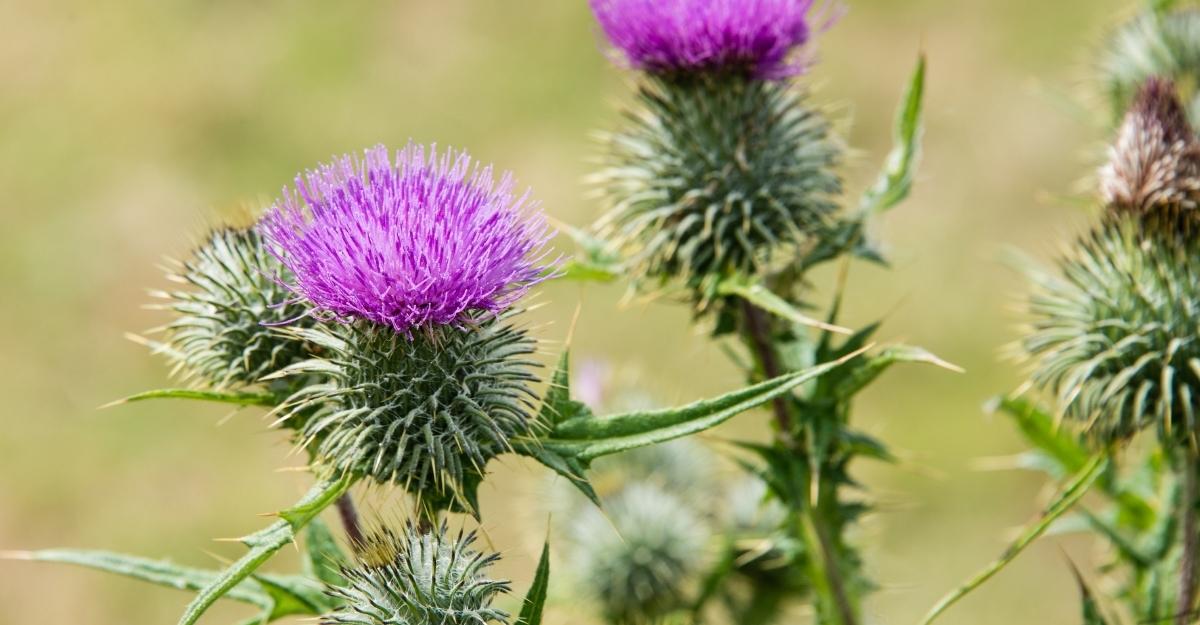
pixel 827 577
pixel 1187 565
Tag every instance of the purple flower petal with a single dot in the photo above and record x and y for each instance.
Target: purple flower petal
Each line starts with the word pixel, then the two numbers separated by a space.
pixel 689 35
pixel 428 239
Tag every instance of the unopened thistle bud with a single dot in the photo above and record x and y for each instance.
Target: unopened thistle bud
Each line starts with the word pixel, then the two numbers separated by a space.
pixel 1115 336
pixel 721 165
pixel 427 379
pixel 222 335
pixel 1154 166
pixel 419 578
pixel 642 560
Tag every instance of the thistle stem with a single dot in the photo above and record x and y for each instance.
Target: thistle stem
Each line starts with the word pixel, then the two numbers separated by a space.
pixel 349 515
pixel 757 328
pixel 1187 566
pixel 827 576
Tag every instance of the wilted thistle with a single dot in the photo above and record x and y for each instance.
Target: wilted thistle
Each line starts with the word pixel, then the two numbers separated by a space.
pixel 419 578
pixel 720 165
pixel 426 379
pixel 222 335
pixel 1116 336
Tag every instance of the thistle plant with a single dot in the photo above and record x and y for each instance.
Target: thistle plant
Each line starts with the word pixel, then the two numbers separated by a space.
pixel 377 312
pixel 1111 342
pixel 722 186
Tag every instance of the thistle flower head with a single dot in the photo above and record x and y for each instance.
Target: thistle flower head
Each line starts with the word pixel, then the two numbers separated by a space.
pixel 1154 166
pixel 418 578
pixel 220 336
pixel 427 239
pixel 1115 335
pixel 640 564
pixel 673 36
pixel 426 412
pixel 716 175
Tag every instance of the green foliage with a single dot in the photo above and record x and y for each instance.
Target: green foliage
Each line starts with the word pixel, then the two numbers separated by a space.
pixel 221 336
pixel 896 179
pixel 1071 493
pixel 240 398
pixel 1114 334
pixel 264 543
pixel 535 599
pixel 425 412
pixel 419 577
pixel 714 175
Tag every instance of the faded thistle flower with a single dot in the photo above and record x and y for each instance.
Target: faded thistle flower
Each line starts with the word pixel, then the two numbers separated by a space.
pixel 719 166
pixel 221 336
pixel 419 578
pixel 1154 166
pixel 426 378
pixel 1116 335
pixel 669 36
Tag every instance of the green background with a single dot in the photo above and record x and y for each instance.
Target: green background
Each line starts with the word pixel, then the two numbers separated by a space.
pixel 127 126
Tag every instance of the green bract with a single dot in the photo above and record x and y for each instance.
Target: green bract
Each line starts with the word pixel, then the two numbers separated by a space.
pixel 715 174
pixel 1163 44
pixel 641 561
pixel 1116 336
pixel 419 578
pixel 222 335
pixel 425 412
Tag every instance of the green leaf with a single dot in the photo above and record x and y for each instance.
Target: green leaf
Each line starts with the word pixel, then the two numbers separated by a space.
pixel 1066 499
pixel 239 398
pixel 535 599
pixel 596 263
pixel 1041 430
pixel 557 405
pixel 895 182
pixel 765 299
pixel 859 375
pixel 323 559
pixel 293 594
pixel 1091 608
pixel 147 570
pixel 586 438
pixel 264 543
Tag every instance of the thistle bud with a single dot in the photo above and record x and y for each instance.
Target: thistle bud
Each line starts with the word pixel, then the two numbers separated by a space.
pixel 1154 166
pixel 222 334
pixel 1114 335
pixel 416 578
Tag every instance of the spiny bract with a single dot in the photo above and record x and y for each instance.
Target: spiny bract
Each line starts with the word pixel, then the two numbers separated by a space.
pixel 419 578
pixel 425 412
pixel 715 175
pixel 222 335
pixel 1152 44
pixel 641 564
pixel 1116 336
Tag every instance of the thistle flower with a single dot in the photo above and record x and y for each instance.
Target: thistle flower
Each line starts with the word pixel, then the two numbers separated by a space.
pixel 419 578
pixel 426 412
pixel 716 175
pixel 221 336
pixel 640 564
pixel 1154 166
pixel 428 239
pixel 669 36
pixel 1115 336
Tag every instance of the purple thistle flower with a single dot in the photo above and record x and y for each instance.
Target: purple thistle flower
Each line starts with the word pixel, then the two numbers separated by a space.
pixel 662 36
pixel 429 239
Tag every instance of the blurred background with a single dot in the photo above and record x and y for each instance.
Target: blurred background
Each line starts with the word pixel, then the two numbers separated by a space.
pixel 127 127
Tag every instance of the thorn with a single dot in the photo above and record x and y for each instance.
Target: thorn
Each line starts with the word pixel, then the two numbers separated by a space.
pixel 18 555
